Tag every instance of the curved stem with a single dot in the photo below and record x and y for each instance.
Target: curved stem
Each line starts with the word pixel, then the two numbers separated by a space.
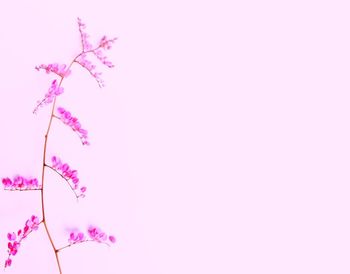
pixel 85 241
pixel 58 250
pixel 75 131
pixel 94 76
pixel 42 189
pixel 63 179
pixel 19 242
pixel 43 173
pixel 19 189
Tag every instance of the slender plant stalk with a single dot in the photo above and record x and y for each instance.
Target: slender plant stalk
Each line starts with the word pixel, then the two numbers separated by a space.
pixel 95 234
pixel 43 173
pixel 75 243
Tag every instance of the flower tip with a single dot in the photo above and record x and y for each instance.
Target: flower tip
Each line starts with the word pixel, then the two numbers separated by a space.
pixel 112 239
pixel 11 236
pixel 8 263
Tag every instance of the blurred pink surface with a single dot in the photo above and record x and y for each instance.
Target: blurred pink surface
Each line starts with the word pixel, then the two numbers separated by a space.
pixel 220 144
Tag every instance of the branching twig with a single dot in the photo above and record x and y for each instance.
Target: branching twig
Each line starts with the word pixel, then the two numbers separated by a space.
pixel 50 167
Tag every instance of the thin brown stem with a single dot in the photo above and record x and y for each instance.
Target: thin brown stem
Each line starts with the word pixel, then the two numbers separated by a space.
pixel 75 243
pixel 50 167
pixel 19 189
pixel 42 190
pixel 43 172
pixel 58 250
pixel 98 80
pixel 75 131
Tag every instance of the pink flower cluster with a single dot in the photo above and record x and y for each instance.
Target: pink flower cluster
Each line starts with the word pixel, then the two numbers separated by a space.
pixel 94 233
pixel 59 69
pixel 97 235
pixel 15 239
pixel 71 176
pixel 21 183
pixel 91 68
pixel 67 118
pixel 84 36
pixel 53 91
pixel 104 44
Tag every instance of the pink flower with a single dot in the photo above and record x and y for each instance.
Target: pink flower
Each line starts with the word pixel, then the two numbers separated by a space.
pixel 11 236
pixel 73 122
pixel 112 239
pixel 15 240
pixel 53 91
pixel 104 44
pixel 59 69
pixel 97 235
pixel 32 223
pixel 97 51
pixel 91 68
pixel 21 183
pixel 70 176
pixel 84 36
pixel 94 233
pixel 76 237
pixel 8 263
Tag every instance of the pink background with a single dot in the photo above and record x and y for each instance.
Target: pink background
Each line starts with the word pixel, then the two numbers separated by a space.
pixel 221 143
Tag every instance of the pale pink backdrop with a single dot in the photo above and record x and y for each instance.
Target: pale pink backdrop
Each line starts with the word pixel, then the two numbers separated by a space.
pixel 221 142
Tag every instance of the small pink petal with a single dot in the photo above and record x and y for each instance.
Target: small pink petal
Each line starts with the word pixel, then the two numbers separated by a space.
pixel 8 262
pixel 112 239
pixel 72 237
pixel 81 236
pixel 11 236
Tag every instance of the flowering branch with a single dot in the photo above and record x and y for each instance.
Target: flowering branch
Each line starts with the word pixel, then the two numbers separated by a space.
pixel 75 243
pixel 67 118
pixel 18 189
pixel 58 69
pixel 20 183
pixel 104 44
pixel 64 179
pixel 32 224
pixel 95 234
pixel 53 91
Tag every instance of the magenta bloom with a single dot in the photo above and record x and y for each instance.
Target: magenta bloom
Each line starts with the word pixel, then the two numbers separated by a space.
pixel 84 36
pixel 73 122
pixel 97 235
pixel 97 51
pixel 112 239
pixel 76 237
pixel 94 234
pixel 70 175
pixel 21 183
pixel 64 170
pixel 104 44
pixel 91 68
pixel 59 69
pixel 8 262
pixel 15 239
pixel 53 91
